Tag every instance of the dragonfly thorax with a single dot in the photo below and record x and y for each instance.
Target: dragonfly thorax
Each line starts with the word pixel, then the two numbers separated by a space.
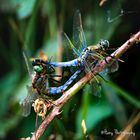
pixel 87 58
pixel 85 54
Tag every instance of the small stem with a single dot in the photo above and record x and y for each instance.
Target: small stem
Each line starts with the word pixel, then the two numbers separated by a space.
pixel 59 103
pixel 125 134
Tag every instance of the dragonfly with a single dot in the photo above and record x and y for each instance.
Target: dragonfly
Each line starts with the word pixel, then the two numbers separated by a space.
pixel 41 73
pixel 86 57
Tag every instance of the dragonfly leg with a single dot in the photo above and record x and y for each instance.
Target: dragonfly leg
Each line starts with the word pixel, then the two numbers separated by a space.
pixel 53 70
pixel 54 80
pixel 120 60
pixel 109 56
pixel 55 75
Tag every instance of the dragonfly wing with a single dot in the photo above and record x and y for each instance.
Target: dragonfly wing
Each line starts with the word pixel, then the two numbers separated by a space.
pixel 26 58
pixel 69 47
pixel 27 102
pixel 95 87
pixel 26 107
pixel 112 68
pixel 79 39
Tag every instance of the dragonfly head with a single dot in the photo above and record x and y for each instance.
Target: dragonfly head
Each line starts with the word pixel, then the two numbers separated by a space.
pixel 41 66
pixel 37 65
pixel 104 44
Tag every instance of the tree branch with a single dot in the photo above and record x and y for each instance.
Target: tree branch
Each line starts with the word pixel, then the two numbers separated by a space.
pixel 59 103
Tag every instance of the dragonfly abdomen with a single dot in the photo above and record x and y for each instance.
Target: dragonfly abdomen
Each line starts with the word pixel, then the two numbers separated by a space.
pixel 57 90
pixel 71 63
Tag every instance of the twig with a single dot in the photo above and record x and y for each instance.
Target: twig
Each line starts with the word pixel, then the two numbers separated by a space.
pixel 127 132
pixel 59 103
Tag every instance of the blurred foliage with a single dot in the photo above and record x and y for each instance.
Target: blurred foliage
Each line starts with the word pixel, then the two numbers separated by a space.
pixel 34 26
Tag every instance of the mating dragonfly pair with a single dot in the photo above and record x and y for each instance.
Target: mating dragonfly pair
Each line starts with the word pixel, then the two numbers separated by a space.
pixel 86 58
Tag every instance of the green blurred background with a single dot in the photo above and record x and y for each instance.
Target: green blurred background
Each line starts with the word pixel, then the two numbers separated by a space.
pixel 35 26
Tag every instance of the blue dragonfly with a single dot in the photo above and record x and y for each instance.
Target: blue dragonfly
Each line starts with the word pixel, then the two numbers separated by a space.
pixel 43 71
pixel 86 56
pixel 40 76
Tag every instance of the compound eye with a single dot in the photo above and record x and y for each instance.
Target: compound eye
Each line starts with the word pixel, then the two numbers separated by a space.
pixel 104 44
pixel 38 69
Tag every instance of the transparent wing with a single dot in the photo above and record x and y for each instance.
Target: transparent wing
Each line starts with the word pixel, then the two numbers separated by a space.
pixel 95 87
pixel 79 39
pixel 26 58
pixel 26 107
pixel 110 68
pixel 113 67
pixel 95 83
pixel 27 102
pixel 79 42
pixel 69 48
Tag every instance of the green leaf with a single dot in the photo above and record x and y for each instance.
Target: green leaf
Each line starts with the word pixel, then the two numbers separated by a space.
pixel 50 47
pixel 131 99
pixel 94 115
pixel 116 103
pixel 8 123
pixel 25 9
